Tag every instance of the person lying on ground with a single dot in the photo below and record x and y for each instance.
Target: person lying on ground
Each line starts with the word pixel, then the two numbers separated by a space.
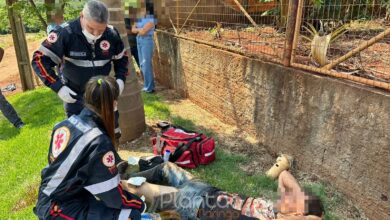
pixel 170 188
pixel 81 180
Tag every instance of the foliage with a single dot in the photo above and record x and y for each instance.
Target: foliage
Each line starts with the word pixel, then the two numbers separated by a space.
pixel 320 42
pixel 29 16
pixel 347 10
pixel 335 34
pixel 23 153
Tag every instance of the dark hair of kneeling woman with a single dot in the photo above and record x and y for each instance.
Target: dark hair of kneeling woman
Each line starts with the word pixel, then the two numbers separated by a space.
pixel 101 95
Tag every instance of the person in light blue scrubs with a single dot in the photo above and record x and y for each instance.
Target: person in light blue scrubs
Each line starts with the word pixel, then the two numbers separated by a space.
pixel 144 28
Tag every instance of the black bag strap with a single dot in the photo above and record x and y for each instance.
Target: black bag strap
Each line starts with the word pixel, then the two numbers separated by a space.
pixel 163 125
pixel 181 139
pixel 182 148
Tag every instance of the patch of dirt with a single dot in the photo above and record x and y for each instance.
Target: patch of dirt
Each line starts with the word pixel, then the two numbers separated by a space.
pixel 9 72
pixel 29 197
pixel 268 43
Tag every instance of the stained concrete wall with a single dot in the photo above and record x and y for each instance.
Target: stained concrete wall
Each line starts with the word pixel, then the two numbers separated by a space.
pixel 335 129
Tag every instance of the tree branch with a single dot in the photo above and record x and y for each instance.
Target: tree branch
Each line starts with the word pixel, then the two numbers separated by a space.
pixel 44 24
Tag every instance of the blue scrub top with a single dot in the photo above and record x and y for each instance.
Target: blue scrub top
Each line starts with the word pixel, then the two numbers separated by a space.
pixel 143 21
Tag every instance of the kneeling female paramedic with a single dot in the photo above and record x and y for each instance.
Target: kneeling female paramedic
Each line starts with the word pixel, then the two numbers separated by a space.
pixel 82 180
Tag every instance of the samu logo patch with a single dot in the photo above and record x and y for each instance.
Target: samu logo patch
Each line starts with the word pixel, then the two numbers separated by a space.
pixel 60 141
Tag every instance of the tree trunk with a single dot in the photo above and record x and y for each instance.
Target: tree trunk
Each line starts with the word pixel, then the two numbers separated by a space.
pixel 283 13
pixel 130 106
pixel 20 45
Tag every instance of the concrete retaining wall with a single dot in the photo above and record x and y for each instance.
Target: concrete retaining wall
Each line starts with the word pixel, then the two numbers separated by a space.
pixel 336 129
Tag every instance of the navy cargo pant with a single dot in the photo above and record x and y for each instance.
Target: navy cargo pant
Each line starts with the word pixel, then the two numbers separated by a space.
pixel 9 112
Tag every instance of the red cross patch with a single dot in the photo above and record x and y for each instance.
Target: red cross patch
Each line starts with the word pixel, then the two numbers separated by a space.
pixel 105 45
pixel 52 37
pixel 109 159
pixel 60 141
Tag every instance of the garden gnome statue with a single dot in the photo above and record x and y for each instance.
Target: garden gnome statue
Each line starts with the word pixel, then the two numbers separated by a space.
pixel 283 162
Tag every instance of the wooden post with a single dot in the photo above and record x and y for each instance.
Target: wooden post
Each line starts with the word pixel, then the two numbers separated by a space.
pixel 177 14
pixel 130 105
pixel 170 20
pixel 284 10
pixel 192 11
pixel 20 45
pixel 358 49
pixel 290 30
pixel 298 23
pixel 245 13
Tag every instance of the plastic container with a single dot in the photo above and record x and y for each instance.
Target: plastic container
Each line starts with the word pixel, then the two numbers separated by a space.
pixel 283 162
pixel 167 153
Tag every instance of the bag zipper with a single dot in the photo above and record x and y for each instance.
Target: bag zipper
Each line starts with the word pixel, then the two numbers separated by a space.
pixel 180 139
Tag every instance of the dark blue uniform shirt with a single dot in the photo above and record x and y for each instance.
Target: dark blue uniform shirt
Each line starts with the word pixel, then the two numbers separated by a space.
pixel 80 59
pixel 81 180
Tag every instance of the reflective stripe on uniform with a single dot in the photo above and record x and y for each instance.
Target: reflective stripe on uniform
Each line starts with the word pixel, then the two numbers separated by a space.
pixel 104 186
pixel 87 63
pixel 50 54
pixel 79 124
pixel 124 214
pixel 120 55
pixel 42 71
pixel 63 170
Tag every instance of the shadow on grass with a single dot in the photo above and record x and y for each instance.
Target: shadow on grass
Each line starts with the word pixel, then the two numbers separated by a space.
pixel 35 108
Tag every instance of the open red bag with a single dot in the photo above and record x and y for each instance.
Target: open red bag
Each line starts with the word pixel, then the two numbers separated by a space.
pixel 188 148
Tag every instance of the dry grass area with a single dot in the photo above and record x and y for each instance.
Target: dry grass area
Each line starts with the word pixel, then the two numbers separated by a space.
pixel 265 41
pixel 9 72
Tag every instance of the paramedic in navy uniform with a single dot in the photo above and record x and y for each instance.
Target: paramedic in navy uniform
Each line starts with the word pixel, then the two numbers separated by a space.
pixel 87 46
pixel 81 180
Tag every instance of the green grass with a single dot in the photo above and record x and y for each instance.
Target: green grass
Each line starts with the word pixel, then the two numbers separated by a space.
pixel 225 173
pixel 23 154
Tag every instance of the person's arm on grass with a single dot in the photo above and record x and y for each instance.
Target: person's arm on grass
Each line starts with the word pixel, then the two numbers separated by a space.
pixel 310 217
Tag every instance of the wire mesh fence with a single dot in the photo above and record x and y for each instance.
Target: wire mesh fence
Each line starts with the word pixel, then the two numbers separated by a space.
pixel 251 27
pixel 336 36
pixel 343 38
